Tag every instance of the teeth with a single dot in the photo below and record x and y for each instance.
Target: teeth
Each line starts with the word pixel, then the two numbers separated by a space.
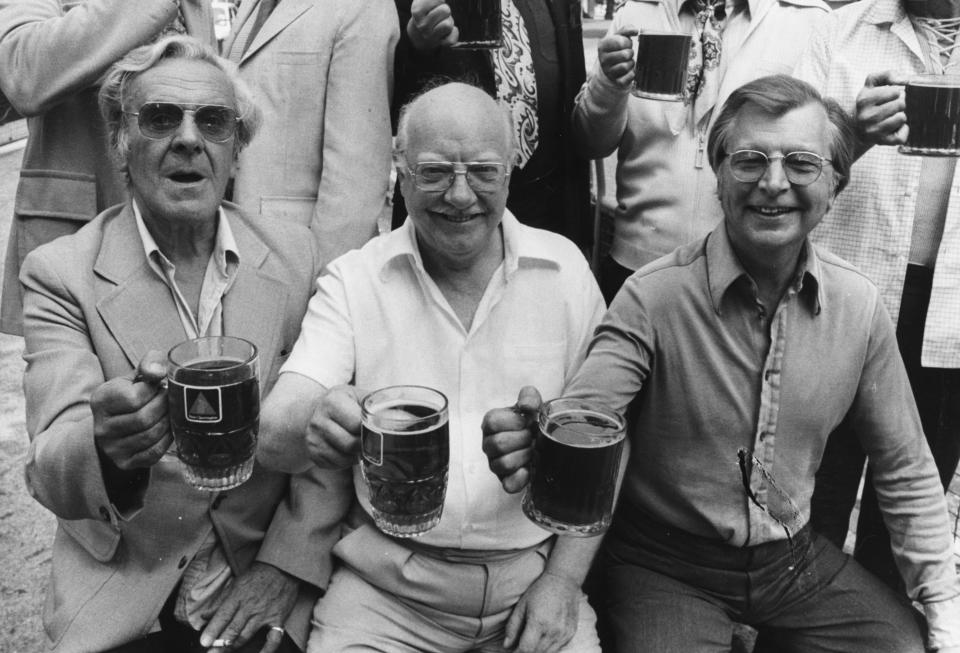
pixel 772 211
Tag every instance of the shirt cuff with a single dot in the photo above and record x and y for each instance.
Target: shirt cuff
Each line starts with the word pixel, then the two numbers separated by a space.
pixel 604 92
pixel 943 623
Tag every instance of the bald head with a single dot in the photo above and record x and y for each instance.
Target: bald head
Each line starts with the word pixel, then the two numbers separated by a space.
pixel 454 154
pixel 456 108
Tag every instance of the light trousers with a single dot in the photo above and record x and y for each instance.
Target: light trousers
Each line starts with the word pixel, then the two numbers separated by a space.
pixel 387 596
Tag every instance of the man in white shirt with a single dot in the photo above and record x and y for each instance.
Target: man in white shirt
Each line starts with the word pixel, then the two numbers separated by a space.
pixel 464 299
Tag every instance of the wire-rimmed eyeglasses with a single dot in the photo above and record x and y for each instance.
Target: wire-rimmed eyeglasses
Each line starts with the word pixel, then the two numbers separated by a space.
pixel 158 120
pixel 800 168
pixel 438 176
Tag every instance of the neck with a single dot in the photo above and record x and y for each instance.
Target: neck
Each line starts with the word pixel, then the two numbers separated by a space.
pixel 463 283
pixel 772 273
pixel 183 243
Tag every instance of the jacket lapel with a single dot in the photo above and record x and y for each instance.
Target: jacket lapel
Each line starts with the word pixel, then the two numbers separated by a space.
pixel 285 13
pixel 134 303
pixel 254 307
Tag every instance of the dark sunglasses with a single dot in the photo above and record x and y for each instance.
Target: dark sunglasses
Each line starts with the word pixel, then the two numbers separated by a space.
pixel 160 119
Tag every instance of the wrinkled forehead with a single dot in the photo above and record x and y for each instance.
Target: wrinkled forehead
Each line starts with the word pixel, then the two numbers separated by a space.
pixel 457 120
pixel 182 81
pixel 805 128
pixel 454 140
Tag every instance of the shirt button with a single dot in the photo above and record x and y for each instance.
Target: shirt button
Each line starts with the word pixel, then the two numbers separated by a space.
pixel 182 563
pixel 104 513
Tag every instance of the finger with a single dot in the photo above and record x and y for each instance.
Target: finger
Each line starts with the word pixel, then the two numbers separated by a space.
pixel 342 405
pixel 529 399
pixel 216 628
pixel 330 446
pixel 420 8
pixel 628 31
pixel 151 454
pixel 509 464
pixel 274 638
pixel 614 43
pixel 247 626
pixel 499 420
pixel 452 37
pixel 435 22
pixel 533 639
pixel 512 630
pixel 885 78
pixel 516 481
pixel 132 424
pixel 152 367
pixel 119 396
pixel 891 131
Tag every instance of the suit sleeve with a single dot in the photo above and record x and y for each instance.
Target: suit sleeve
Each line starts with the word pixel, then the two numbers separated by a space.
pixel 356 134
pixel 306 523
pixel 48 54
pixel 62 469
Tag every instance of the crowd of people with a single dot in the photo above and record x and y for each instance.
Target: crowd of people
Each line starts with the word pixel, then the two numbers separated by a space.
pixel 340 184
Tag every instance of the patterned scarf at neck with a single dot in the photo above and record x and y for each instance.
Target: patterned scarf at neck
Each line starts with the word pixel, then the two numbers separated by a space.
pixel 176 26
pixel 516 83
pixel 938 38
pixel 703 73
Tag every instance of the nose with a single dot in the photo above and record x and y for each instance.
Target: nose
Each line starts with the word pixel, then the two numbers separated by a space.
pixel 774 179
pixel 460 194
pixel 188 136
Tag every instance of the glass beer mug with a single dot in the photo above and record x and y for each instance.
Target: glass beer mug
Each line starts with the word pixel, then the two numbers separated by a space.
pixel 576 457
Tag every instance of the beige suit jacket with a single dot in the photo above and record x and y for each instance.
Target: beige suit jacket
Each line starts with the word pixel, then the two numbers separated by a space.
pixel 52 54
pixel 322 71
pixel 93 308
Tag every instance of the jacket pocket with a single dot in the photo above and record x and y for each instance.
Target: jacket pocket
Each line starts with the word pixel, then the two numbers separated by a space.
pixel 55 194
pixel 288 208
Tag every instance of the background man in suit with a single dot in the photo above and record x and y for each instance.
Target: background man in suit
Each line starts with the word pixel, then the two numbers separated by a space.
pixel 141 561
pixel 550 185
pixel 52 53
pixel 322 71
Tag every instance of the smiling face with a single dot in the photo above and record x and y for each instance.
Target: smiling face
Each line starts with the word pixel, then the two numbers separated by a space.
pixel 458 124
pixel 772 217
pixel 181 177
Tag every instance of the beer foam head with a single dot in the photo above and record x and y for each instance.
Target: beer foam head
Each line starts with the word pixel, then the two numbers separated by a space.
pixel 396 415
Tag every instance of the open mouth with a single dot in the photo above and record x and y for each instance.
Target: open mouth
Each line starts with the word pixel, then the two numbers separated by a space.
pixel 772 211
pixel 186 177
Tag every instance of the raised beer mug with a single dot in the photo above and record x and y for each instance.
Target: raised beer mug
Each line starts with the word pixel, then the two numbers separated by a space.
pixel 576 457
pixel 933 115
pixel 213 400
pixel 661 65
pixel 478 22
pixel 404 456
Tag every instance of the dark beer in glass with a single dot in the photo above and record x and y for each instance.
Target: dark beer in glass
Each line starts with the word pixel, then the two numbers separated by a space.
pixel 661 70
pixel 213 399
pixel 933 115
pixel 478 22
pixel 405 454
pixel 576 457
